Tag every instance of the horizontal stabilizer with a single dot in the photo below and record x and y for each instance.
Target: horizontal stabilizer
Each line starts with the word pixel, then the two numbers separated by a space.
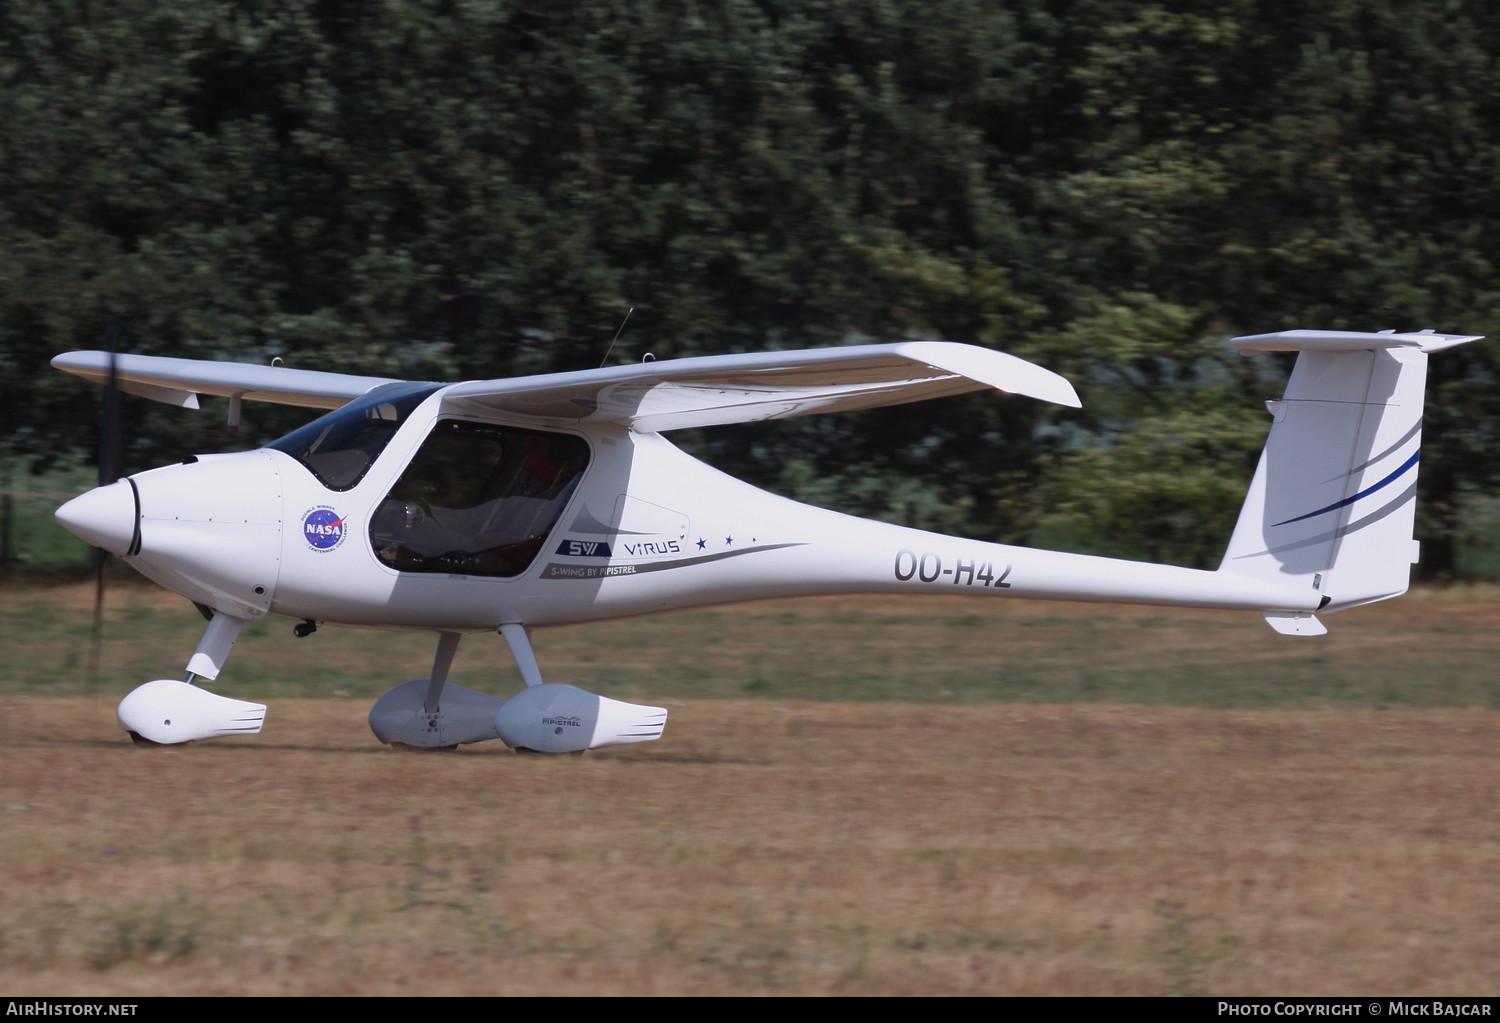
pixel 1348 341
pixel 180 381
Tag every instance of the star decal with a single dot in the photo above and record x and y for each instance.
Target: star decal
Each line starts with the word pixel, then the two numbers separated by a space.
pixel 702 543
pixel 728 540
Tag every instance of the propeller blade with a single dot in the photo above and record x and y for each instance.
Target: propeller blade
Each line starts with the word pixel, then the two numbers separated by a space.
pixel 109 419
pixel 109 471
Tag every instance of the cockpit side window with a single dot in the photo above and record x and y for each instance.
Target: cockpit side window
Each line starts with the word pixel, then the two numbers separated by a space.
pixel 478 499
pixel 339 448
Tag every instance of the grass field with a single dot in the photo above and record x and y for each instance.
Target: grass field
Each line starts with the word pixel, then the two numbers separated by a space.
pixel 1433 648
pixel 851 797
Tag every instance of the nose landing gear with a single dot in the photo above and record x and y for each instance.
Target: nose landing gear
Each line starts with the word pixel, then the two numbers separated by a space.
pixel 169 712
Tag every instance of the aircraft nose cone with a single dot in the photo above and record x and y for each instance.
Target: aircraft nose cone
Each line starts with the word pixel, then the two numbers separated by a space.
pixel 104 517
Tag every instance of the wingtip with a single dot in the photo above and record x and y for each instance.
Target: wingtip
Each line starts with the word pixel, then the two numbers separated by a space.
pixel 1064 395
pixel 1045 385
pixel 73 362
pixel 1001 370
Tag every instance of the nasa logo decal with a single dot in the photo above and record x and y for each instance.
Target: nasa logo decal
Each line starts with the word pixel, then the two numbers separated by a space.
pixel 323 528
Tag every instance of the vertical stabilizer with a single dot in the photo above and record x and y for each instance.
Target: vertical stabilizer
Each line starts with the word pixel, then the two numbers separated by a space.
pixel 1333 501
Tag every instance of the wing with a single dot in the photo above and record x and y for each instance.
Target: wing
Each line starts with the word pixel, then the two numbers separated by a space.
pixel 717 389
pixel 180 381
pixel 649 397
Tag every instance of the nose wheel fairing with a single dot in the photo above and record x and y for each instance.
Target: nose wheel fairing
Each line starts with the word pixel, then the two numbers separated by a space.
pixel 168 713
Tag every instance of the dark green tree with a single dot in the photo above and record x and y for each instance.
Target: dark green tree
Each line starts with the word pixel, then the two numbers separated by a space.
pixel 471 189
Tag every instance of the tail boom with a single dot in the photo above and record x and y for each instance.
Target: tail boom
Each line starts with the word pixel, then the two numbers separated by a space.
pixel 840 554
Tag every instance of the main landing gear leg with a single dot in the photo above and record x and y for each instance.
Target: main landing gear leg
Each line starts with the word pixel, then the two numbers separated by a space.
pixel 168 712
pixel 433 713
pixel 441 662
pixel 549 717
pixel 520 648
pixel 543 718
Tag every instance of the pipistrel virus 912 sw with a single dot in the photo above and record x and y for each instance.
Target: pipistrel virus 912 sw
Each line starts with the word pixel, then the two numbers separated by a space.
pixel 507 505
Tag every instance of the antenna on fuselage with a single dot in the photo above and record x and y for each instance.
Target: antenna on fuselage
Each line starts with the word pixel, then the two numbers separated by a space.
pixel 617 337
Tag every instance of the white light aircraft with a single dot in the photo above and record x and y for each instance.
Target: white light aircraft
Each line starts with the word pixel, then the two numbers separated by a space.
pixel 509 505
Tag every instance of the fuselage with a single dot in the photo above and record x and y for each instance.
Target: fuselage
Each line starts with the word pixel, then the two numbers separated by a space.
pixel 462 520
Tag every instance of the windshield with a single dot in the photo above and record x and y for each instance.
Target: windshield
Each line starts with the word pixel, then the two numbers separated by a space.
pixel 339 448
pixel 478 499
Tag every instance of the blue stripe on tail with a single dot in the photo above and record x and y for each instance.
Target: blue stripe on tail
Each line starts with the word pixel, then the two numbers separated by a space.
pixel 1363 493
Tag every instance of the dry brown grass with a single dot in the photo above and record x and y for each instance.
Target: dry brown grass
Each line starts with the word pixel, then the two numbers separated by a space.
pixel 1434 648
pixel 762 847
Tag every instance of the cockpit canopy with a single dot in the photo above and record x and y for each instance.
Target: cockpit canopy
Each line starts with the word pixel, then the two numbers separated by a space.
pixel 477 499
pixel 339 448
